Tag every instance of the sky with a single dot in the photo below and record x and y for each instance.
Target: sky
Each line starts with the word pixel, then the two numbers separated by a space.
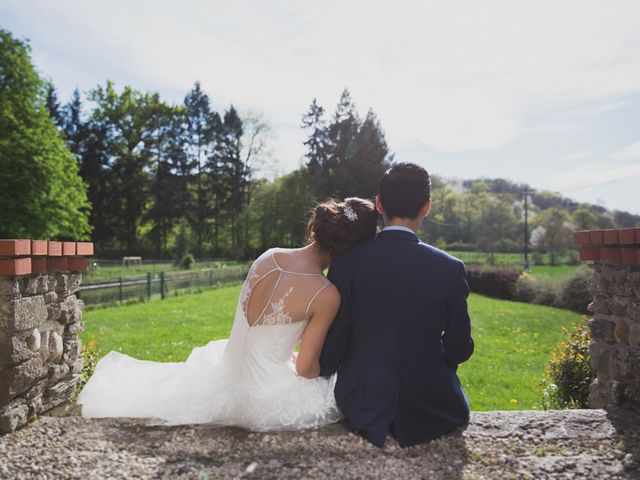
pixel 540 92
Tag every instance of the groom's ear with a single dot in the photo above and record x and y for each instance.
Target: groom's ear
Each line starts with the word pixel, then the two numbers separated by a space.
pixel 424 211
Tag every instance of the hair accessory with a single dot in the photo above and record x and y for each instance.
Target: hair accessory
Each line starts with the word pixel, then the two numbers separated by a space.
pixel 350 213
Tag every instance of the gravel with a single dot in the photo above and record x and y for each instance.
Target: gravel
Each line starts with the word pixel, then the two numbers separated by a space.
pixel 519 444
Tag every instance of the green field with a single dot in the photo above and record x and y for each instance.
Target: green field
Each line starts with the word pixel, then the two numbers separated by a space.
pixel 513 340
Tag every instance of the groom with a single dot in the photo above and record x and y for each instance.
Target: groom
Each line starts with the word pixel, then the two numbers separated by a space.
pixel 403 325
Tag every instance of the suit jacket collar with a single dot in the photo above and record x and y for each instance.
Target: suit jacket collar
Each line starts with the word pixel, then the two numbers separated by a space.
pixel 398 234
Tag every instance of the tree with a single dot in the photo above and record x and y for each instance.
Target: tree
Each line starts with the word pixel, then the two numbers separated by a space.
pixel 41 193
pixel 202 131
pixel 347 157
pixel 496 223
pixel 52 103
pixel 557 233
pixel 130 120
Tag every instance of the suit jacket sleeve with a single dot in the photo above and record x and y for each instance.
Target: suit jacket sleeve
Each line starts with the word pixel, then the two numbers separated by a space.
pixel 335 345
pixel 457 342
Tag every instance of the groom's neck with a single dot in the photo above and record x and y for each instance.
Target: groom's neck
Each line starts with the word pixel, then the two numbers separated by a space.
pixel 412 223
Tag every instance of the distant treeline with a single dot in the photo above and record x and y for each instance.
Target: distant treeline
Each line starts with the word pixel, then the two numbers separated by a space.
pixel 140 176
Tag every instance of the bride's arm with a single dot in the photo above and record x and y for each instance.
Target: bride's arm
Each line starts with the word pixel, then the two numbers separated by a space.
pixel 322 312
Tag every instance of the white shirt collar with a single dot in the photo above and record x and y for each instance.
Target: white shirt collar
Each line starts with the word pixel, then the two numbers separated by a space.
pixel 398 227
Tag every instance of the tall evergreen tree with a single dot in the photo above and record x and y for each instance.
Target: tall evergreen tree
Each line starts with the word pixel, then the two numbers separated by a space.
pixel 41 193
pixel 316 142
pixel 203 124
pixel 53 104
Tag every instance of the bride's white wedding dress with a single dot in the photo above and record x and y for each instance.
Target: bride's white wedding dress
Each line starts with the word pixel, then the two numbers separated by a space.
pixel 248 380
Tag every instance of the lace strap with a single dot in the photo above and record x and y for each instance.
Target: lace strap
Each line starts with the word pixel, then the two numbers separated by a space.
pixel 306 313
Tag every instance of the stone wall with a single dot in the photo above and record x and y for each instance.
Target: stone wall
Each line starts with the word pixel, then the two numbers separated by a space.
pixel 40 317
pixel 615 326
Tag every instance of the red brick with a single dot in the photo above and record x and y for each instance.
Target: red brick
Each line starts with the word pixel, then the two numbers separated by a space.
pixel 581 237
pixel 68 248
pixel 84 248
pixel 15 266
pixel 14 248
pixel 630 255
pixel 611 255
pixel 627 235
pixel 55 264
pixel 39 247
pixel 54 249
pixel 611 237
pixel 589 253
pixel 596 237
pixel 78 264
pixel 637 229
pixel 38 264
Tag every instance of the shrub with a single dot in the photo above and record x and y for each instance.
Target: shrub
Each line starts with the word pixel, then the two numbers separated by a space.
pixel 90 357
pixel 568 373
pixel 573 258
pixel 495 283
pixel 535 289
pixel 573 292
pixel 186 261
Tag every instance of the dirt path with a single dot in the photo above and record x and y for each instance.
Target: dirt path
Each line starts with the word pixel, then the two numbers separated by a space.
pixel 526 444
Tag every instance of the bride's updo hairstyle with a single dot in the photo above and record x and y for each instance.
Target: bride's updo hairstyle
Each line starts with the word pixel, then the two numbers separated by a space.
pixel 337 226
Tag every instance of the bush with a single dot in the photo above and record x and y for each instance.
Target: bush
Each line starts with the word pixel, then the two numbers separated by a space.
pixel 90 357
pixel 495 283
pixel 186 261
pixel 573 258
pixel 532 289
pixel 568 373
pixel 573 293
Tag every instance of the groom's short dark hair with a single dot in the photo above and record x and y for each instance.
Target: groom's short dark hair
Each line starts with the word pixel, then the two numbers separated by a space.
pixel 404 189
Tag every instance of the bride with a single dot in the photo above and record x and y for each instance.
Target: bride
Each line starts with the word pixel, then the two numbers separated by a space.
pixel 253 379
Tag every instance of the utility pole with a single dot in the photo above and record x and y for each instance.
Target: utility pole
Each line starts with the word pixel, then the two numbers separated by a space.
pixel 527 266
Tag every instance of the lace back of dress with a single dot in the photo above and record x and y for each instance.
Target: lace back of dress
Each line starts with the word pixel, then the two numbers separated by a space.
pixel 272 295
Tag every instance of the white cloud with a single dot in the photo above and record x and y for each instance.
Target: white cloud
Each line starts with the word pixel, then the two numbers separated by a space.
pixel 631 152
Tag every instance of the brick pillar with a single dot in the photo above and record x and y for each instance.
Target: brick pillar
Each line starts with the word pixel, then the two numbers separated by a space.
pixel 615 286
pixel 40 318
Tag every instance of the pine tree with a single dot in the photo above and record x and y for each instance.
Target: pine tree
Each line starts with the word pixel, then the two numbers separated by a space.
pixel 316 142
pixel 203 125
pixel 53 105
pixel 41 193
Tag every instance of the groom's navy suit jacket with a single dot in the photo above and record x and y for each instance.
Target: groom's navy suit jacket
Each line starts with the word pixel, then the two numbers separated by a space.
pixel 400 333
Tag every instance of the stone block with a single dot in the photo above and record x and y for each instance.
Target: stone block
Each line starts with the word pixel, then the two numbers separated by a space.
pixel 76 366
pixel 50 297
pixel 33 340
pixel 634 279
pixel 15 380
pixel 618 305
pixel 599 394
pixel 57 372
pixel 621 331
pixel 9 288
pixel 44 345
pixel 600 357
pixel 13 416
pixel 72 348
pixel 602 329
pixel 634 336
pixel 617 391
pixel 624 363
pixel 55 346
pixel 74 329
pixel 633 311
pixel 23 313
pixel 599 305
pixel 622 289
pixel 53 311
pixel 597 285
pixel 59 393
pixel 71 310
pixel 614 274
pixel 14 350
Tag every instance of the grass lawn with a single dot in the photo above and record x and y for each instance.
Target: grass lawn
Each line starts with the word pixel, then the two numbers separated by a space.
pixel 513 340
